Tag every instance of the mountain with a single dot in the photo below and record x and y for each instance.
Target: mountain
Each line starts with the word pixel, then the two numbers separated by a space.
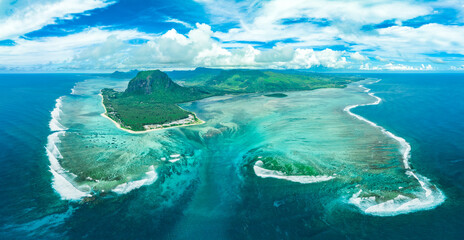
pixel 148 82
pixel 158 87
pixel 122 75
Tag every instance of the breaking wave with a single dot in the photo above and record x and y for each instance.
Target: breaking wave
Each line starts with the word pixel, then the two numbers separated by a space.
pixel 63 181
pixel 61 178
pixel 266 173
pixel 150 177
pixel 429 198
pixel 55 124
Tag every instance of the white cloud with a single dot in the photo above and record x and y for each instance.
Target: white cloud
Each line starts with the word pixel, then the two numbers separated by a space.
pixel 279 53
pixel 174 20
pixel 358 57
pixel 264 21
pixel 313 25
pixel 398 67
pixel 342 23
pixel 306 58
pixel 99 49
pixel 436 60
pixel 429 37
pixel 457 68
pixel 367 66
pixel 426 67
pixel 351 11
pixel 28 53
pixel 401 42
pixel 378 58
pixel 395 67
pixel 31 17
pixel 198 48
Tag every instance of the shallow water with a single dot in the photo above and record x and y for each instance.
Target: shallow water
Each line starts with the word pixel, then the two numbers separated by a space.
pixel 292 166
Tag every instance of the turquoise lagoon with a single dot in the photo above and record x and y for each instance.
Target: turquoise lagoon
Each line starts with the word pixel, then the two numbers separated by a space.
pixel 309 137
pixel 322 164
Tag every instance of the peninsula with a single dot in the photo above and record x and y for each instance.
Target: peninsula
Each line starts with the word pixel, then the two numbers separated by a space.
pixel 151 98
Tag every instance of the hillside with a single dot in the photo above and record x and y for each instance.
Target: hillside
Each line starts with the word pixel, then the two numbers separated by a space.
pixel 195 77
pixel 248 81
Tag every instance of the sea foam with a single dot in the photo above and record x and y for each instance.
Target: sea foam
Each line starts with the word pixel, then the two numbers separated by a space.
pixel 150 177
pixel 266 173
pixel 64 182
pixel 54 124
pixel 61 179
pixel 429 198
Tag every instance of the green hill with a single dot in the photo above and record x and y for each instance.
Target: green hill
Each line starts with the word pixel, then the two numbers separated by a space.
pixel 248 81
pixel 160 88
pixel 195 77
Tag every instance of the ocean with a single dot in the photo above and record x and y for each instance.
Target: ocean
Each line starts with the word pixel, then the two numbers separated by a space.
pixel 381 158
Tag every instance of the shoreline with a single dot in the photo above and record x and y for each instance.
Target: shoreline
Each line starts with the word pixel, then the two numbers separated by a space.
pixel 199 122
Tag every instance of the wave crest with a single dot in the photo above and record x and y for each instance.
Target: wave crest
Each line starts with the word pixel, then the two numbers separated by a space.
pixel 431 196
pixel 304 179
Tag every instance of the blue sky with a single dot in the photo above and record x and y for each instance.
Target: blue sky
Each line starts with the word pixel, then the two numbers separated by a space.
pixel 108 35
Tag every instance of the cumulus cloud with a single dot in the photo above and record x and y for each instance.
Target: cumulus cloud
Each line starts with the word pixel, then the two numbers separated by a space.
pixel 100 49
pixel 426 67
pixel 325 23
pixel 358 57
pixel 199 48
pixel 306 58
pixel 368 67
pixel 396 67
pixel 264 34
pixel 34 16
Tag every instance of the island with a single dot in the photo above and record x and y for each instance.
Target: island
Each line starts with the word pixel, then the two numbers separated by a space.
pixel 151 99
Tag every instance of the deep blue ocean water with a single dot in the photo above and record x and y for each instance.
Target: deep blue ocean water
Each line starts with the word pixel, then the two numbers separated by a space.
pixel 425 109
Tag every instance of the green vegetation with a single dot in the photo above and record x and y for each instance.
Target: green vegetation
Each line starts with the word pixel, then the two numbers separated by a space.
pixel 193 78
pixel 247 81
pixel 134 112
pixel 293 168
pixel 151 98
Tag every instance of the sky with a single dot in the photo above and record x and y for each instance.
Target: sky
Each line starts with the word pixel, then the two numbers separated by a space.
pixel 325 35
